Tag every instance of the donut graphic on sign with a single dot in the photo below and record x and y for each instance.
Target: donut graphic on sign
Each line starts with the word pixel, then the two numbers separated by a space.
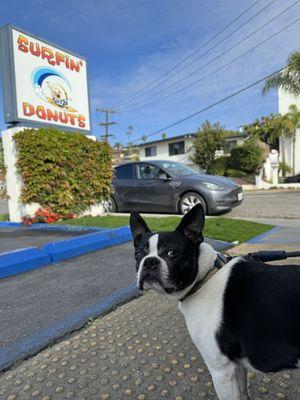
pixel 52 87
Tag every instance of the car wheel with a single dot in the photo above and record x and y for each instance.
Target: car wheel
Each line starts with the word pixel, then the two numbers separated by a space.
pixel 189 200
pixel 110 205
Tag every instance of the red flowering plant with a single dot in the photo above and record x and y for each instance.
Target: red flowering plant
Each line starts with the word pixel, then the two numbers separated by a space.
pixel 45 215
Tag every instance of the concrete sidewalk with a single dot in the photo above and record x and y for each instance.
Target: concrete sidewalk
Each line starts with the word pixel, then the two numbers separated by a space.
pixel 139 351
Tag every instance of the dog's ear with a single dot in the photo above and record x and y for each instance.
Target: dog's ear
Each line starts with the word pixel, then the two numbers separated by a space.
pixel 138 227
pixel 192 224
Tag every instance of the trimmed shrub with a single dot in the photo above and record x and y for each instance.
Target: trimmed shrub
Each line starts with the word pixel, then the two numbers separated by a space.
pixel 64 171
pixel 247 158
pixel 218 166
pixel 235 173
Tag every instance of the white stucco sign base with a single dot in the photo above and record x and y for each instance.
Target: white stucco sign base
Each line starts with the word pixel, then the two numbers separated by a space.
pixel 13 180
pixel 18 210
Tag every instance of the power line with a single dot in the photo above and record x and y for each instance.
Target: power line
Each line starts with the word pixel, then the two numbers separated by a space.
pixel 216 103
pixel 202 54
pixel 190 55
pixel 218 56
pixel 213 72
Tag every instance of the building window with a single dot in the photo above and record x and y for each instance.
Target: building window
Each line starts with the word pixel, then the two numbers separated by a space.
pixel 176 148
pixel 150 151
pixel 229 145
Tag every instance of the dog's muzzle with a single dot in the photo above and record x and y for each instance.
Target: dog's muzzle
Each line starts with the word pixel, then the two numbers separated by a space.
pixel 149 271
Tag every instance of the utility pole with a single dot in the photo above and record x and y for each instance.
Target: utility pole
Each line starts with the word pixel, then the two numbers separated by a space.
pixel 107 123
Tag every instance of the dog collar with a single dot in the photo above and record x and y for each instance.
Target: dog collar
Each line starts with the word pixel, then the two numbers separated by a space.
pixel 220 261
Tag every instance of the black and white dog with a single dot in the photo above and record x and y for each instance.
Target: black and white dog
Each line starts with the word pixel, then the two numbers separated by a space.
pixel 246 316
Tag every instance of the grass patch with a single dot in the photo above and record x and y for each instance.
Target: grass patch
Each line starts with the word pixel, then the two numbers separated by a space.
pixel 226 229
pixel 4 217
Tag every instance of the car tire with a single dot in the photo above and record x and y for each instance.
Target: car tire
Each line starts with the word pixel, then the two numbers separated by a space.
pixel 111 205
pixel 189 200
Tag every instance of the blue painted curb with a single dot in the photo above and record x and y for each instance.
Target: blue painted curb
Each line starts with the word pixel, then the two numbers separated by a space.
pixel 21 260
pixel 32 344
pixel 50 227
pixel 259 238
pixel 7 224
pixel 78 246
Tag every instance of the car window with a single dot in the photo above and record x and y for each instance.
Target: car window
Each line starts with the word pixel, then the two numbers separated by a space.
pixel 178 168
pixel 148 171
pixel 124 171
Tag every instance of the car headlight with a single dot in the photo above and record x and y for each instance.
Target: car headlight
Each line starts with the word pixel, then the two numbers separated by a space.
pixel 213 186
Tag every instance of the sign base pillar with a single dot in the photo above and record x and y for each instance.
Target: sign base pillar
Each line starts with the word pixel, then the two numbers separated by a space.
pixel 13 179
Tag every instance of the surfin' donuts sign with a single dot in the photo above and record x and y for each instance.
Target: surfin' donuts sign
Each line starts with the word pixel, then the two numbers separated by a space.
pixel 43 84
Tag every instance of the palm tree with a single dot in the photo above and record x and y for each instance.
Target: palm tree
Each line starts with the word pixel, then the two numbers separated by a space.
pixel 287 80
pixel 285 126
pixel 293 120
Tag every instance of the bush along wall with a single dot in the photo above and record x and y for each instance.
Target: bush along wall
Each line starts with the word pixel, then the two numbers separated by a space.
pixel 247 158
pixel 64 171
pixel 3 193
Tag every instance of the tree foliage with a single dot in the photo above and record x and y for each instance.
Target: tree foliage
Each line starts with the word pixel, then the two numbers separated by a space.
pixel 266 129
pixel 208 139
pixel 65 171
pixel 247 158
pixel 218 166
pixel 287 80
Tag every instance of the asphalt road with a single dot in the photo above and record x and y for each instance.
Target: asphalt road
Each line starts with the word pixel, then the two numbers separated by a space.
pixel 268 204
pixel 256 204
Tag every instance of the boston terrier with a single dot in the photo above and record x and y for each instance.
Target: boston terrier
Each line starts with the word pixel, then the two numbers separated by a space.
pixel 246 316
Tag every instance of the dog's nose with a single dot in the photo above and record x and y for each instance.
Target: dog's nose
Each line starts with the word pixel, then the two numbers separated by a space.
pixel 151 263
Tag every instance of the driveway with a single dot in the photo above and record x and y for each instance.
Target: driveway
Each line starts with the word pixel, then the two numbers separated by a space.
pixel 268 204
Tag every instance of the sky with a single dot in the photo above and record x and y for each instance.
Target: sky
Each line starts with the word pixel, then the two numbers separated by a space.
pixel 129 44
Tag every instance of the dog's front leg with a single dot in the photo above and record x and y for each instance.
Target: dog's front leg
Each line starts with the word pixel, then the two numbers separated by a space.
pixel 226 382
pixel 243 381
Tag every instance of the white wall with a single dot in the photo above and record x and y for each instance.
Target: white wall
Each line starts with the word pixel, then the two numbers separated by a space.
pixel 284 101
pixel 162 152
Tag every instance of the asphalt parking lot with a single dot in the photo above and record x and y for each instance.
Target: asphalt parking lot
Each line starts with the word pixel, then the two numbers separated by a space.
pixel 21 237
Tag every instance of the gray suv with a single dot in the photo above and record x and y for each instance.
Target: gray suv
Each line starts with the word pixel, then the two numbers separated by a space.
pixel 168 186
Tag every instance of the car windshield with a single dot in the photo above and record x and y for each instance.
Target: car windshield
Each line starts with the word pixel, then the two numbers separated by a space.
pixel 177 168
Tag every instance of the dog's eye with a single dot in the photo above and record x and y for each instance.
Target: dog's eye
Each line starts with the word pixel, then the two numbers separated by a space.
pixel 171 253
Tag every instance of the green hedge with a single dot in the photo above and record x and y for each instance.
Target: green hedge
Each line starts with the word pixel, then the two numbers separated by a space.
pixel 65 171
pixel 218 166
pixel 247 158
pixel 235 173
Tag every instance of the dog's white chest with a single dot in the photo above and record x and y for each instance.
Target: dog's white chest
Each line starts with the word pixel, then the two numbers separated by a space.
pixel 203 312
